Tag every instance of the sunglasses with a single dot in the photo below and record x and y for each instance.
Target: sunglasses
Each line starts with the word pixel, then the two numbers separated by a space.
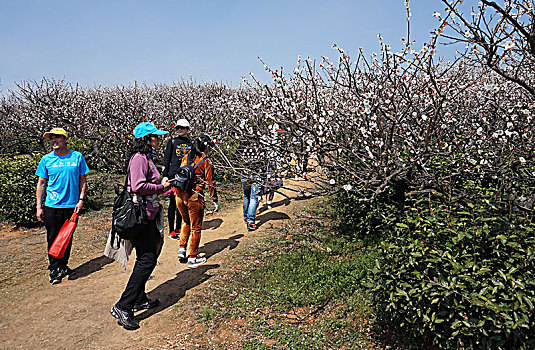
pixel 181 127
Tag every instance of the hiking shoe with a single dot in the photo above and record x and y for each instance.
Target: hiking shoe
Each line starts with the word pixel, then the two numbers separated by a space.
pixel 174 235
pixel 125 317
pixel 146 305
pixel 196 261
pixel 182 253
pixel 251 227
pixel 55 276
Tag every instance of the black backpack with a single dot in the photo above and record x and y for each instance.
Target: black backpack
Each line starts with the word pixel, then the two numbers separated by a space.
pixel 129 219
pixel 185 177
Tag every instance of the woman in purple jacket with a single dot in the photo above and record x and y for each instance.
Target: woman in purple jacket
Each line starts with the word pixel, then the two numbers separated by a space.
pixel 145 182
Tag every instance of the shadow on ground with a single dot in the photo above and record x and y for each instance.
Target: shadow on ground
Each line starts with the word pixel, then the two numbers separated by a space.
pixel 90 267
pixel 263 207
pixel 212 224
pixel 171 291
pixel 214 247
pixel 270 216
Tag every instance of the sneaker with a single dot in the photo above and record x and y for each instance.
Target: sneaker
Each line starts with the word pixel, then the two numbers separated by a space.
pixel 174 235
pixel 146 305
pixel 66 271
pixel 125 317
pixel 196 261
pixel 251 227
pixel 181 253
pixel 55 276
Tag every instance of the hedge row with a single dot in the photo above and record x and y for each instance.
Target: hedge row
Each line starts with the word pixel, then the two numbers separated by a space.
pixel 450 275
pixel 17 189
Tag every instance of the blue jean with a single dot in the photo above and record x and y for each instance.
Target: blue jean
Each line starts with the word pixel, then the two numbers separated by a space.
pixel 251 192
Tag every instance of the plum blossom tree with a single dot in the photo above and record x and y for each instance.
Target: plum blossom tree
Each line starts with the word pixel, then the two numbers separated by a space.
pixel 365 124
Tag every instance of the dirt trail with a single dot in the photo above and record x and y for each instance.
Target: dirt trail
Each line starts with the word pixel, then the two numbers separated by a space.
pixel 75 313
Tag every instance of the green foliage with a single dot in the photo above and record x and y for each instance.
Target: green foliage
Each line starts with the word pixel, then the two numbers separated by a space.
pixel 311 277
pixel 17 189
pixel 83 146
pixel 100 191
pixel 459 277
pixel 19 143
pixel 289 336
pixel 369 222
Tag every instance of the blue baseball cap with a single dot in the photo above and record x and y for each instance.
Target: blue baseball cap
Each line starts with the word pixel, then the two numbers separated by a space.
pixel 146 128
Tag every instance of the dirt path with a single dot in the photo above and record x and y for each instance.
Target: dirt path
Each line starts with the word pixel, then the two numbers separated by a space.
pixel 75 313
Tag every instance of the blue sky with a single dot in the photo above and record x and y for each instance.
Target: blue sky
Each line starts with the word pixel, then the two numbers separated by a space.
pixel 118 42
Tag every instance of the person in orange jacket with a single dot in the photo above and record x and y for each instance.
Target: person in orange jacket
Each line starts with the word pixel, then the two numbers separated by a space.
pixel 191 204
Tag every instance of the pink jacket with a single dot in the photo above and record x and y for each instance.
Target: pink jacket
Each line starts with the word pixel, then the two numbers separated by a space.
pixel 144 180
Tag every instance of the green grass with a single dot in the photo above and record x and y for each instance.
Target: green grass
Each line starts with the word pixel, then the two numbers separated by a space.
pixel 299 286
pixel 310 287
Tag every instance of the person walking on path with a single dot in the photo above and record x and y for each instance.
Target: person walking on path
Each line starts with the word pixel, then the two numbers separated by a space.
pixel 145 183
pixel 63 171
pixel 251 158
pixel 176 149
pixel 191 204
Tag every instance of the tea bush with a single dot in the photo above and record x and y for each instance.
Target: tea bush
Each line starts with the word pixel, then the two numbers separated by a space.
pixel 368 222
pixel 459 277
pixel 17 189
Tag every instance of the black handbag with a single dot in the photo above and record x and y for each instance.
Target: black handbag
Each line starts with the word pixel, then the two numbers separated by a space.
pixel 129 219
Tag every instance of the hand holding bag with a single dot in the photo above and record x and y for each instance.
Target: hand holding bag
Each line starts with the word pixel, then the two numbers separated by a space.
pixel 58 247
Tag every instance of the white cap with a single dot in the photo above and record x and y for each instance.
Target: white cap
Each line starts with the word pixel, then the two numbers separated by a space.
pixel 182 122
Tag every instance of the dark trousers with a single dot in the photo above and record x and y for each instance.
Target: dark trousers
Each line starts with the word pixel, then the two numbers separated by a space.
pixel 54 219
pixel 173 213
pixel 145 247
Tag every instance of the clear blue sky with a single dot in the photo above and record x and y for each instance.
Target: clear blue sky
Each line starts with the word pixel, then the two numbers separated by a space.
pixel 118 42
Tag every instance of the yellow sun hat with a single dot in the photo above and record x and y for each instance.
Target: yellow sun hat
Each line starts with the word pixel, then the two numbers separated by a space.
pixel 55 131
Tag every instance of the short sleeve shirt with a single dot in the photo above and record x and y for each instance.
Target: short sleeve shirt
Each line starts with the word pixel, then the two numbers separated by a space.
pixel 63 175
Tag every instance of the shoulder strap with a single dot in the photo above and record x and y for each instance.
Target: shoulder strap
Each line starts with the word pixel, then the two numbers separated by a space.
pixel 128 172
pixel 197 165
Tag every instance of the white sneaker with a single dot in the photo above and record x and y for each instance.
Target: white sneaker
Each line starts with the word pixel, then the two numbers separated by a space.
pixel 181 253
pixel 196 261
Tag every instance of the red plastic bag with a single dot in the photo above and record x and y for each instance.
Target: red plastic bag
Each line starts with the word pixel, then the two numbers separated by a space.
pixel 57 249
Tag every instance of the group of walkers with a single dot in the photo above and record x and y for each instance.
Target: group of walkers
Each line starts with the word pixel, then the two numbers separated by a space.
pixel 62 185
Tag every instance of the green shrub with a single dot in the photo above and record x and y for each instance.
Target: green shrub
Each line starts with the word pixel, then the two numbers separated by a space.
pixel 17 189
pixel 369 222
pixel 459 277
pixel 100 191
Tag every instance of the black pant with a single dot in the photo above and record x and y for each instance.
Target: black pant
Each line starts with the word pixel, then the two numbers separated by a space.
pixel 54 219
pixel 145 247
pixel 173 212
